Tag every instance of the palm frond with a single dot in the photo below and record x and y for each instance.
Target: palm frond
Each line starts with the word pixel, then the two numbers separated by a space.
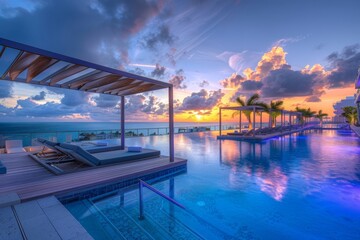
pixel 240 101
pixel 252 99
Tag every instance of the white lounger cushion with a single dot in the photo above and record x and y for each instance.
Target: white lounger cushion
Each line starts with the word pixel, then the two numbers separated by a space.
pixel 14 146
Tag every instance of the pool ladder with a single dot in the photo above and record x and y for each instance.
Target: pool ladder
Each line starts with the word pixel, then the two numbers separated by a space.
pixel 143 184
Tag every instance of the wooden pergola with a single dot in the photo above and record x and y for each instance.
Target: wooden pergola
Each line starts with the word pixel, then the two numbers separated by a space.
pixel 254 109
pixel 26 64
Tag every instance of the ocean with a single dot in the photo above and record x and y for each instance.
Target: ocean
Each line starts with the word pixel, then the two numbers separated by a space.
pixel 45 127
pixel 82 131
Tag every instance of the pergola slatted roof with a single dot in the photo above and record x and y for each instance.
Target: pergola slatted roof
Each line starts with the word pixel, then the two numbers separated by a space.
pixel 23 63
pixel 244 108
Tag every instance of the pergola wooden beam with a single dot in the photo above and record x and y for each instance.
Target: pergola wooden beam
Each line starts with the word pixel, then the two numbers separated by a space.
pixel 67 73
pixel 112 84
pixel 79 81
pixel 93 84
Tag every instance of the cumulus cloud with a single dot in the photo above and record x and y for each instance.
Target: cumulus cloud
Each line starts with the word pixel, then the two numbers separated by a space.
pixel 30 109
pixel 74 98
pixel 202 100
pixel 272 60
pixel 141 107
pixel 6 89
pixel 178 80
pixel 159 71
pixel 287 83
pixel 251 85
pixel 154 106
pixel 40 96
pixel 233 81
pixel 345 66
pixel 134 103
pixel 106 101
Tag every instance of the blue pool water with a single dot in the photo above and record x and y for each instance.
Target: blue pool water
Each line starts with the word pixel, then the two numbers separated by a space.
pixel 303 186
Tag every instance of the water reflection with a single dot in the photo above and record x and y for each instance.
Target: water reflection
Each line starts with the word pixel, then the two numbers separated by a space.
pixel 309 157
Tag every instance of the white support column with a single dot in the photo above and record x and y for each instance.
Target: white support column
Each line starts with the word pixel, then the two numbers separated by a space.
pixel 171 124
pixel 254 121
pixel 219 121
pixel 240 122
pixel 122 121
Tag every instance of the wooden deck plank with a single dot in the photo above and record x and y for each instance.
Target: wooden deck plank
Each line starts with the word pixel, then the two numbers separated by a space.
pixel 30 180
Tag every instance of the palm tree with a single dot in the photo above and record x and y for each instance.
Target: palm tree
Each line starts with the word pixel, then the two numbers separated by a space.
pixel 320 115
pixel 306 114
pixel 350 113
pixel 252 101
pixel 274 110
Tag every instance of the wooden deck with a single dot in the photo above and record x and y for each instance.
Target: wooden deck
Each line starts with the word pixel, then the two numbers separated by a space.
pixel 30 180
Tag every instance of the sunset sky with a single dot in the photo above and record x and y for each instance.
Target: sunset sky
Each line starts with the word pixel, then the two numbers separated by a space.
pixel 304 52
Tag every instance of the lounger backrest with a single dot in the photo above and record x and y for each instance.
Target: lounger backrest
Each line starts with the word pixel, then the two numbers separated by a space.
pixel 79 153
pixel 13 143
pixel 14 146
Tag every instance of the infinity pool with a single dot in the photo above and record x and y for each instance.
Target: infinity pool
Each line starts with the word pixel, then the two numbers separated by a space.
pixel 302 186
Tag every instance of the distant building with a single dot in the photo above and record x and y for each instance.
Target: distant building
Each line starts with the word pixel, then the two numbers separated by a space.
pixel 348 101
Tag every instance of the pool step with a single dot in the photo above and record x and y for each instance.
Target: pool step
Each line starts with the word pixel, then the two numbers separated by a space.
pixel 128 227
pixel 178 222
pixel 94 221
pixel 203 227
pixel 156 220
pixel 160 222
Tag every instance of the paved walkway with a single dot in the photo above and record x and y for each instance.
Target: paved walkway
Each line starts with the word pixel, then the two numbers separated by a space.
pixel 44 218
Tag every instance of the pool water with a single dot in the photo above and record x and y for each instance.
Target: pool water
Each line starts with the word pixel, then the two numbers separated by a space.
pixel 301 186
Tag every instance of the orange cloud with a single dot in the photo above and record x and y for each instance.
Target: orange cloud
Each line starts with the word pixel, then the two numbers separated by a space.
pixel 274 59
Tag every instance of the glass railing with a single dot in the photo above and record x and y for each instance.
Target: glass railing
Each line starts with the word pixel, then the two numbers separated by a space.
pixel 29 138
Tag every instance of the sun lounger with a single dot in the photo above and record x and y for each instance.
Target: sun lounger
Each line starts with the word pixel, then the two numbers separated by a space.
pixel 81 158
pixel 49 149
pixel 14 146
pixel 105 156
